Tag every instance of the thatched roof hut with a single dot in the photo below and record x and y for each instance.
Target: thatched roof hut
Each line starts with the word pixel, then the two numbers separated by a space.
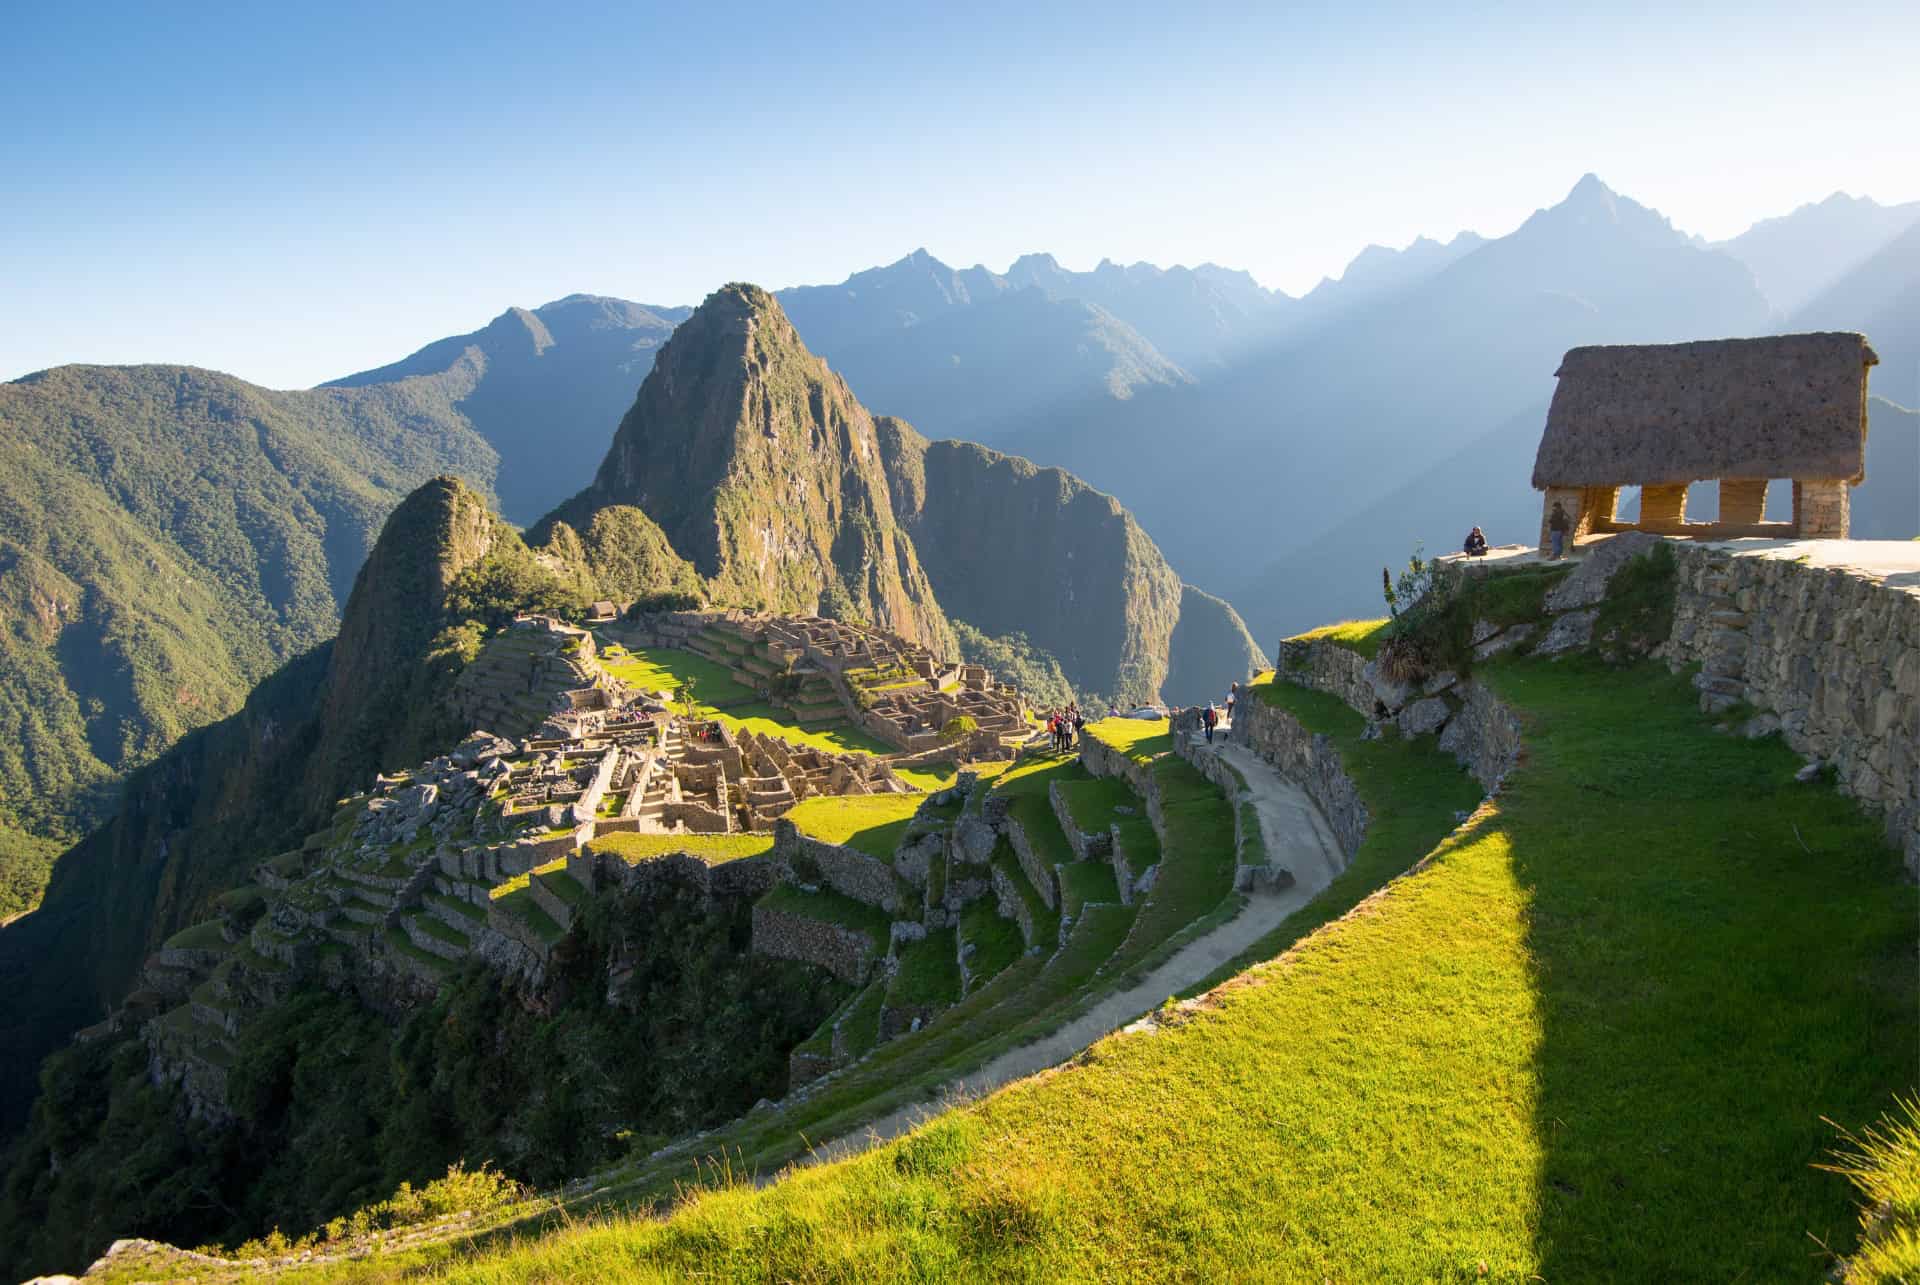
pixel 1788 406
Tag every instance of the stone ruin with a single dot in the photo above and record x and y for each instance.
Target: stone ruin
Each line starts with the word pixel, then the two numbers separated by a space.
pixel 1734 411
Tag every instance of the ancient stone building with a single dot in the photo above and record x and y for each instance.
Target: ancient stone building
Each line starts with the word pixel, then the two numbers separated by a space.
pixel 1738 412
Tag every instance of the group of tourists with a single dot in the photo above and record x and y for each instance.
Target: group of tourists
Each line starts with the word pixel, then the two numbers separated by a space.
pixel 1064 728
pixel 1211 716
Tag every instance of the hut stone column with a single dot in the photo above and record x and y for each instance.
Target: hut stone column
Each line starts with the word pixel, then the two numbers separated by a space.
pixel 1820 509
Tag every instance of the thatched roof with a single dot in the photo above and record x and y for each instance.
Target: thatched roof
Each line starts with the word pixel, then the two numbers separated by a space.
pixel 1653 414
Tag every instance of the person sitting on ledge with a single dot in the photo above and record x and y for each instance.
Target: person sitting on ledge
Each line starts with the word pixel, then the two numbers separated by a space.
pixel 1476 545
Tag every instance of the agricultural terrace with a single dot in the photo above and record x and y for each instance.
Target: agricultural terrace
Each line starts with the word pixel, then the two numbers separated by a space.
pixel 1593 1038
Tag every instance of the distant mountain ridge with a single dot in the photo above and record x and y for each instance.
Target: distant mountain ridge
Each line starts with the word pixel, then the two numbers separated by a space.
pixel 543 386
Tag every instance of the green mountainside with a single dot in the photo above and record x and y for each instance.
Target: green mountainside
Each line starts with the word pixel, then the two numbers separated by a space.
pixel 169 536
pixel 1012 547
pixel 192 823
pixel 764 472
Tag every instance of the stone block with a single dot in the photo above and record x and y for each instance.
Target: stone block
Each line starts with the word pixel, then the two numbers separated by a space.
pixel 1570 632
pixel 1424 717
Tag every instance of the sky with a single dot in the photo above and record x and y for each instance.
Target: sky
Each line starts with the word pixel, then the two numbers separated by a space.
pixel 294 192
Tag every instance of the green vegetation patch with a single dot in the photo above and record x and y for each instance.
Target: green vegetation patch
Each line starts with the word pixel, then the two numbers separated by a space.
pixel 1140 739
pixel 1362 636
pixel 668 669
pixel 995 940
pixel 1035 815
pixel 714 849
pixel 831 907
pixel 872 823
pixel 860 1027
pixel 200 936
pixel 520 903
pixel 1091 802
pixel 1082 882
pixel 1197 860
pixel 929 971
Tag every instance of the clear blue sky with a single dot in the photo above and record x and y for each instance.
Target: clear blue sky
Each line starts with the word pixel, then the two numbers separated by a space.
pixel 293 192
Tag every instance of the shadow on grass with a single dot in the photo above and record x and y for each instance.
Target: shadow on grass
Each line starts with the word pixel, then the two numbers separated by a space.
pixel 1722 956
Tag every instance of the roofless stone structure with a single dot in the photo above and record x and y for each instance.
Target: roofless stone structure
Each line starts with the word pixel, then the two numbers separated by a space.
pixel 1736 411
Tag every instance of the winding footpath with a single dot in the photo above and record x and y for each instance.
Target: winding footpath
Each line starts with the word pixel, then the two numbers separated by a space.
pixel 1297 838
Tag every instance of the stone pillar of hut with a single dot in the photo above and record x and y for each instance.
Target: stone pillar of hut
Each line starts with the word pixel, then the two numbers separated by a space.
pixel 1820 509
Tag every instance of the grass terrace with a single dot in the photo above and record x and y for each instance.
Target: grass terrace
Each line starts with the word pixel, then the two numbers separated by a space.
pixel 1363 636
pixel 831 907
pixel 872 823
pixel 714 849
pixel 1140 739
pixel 667 669
pixel 1542 1057
pixel 928 972
pixel 201 936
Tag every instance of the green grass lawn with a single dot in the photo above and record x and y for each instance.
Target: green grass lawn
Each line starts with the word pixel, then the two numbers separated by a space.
pixel 710 848
pixel 1140 739
pixel 1042 828
pixel 1593 1040
pixel 657 669
pixel 1087 881
pixel 929 972
pixel 1363 636
pixel 872 823
pixel 835 738
pixel 995 940
pixel 1091 802
pixel 831 907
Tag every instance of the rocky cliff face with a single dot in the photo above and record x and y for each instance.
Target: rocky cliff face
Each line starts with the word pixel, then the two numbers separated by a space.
pixel 1012 547
pixel 764 471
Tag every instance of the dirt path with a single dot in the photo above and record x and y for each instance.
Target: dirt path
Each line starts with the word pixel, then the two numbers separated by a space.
pixel 1297 837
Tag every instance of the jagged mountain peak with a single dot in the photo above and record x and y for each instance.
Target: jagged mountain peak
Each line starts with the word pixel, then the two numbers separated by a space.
pixel 763 470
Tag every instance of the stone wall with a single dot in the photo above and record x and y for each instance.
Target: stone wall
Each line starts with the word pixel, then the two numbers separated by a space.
pixel 1484 736
pixel 1829 655
pixel 847 871
pixel 1011 904
pixel 1102 760
pixel 1325 667
pixel 1309 760
pixel 1038 873
pixel 844 952
pixel 1086 847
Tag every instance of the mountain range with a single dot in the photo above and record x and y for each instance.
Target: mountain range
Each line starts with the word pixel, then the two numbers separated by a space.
pixel 1274 451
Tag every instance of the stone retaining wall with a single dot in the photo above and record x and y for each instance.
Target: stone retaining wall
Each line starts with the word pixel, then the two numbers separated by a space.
pixel 1325 667
pixel 1309 760
pixel 1830 656
pixel 846 870
pixel 1040 875
pixel 844 952
pixel 1011 904
pixel 1103 760
pixel 1086 847
pixel 1483 735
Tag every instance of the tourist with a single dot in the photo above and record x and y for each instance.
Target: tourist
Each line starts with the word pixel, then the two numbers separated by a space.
pixel 1476 545
pixel 1233 695
pixel 1079 725
pixel 1210 716
pixel 1557 526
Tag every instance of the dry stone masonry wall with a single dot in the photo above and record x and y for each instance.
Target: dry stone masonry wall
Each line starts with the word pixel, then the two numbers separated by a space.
pixel 1829 656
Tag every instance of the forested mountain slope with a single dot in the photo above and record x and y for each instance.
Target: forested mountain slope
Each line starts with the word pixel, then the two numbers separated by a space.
pixel 168 537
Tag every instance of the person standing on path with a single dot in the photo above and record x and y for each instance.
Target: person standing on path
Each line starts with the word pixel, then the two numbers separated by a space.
pixel 1557 526
pixel 1210 716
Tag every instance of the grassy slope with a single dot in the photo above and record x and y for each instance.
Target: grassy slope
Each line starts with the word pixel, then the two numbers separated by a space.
pixel 873 823
pixel 1594 1039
